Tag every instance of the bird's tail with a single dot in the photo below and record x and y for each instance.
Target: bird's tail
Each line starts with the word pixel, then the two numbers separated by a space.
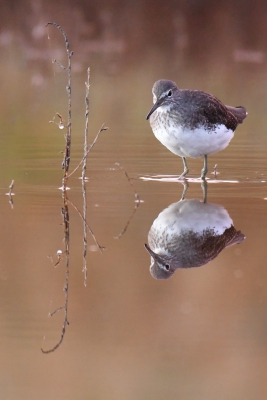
pixel 236 239
pixel 239 112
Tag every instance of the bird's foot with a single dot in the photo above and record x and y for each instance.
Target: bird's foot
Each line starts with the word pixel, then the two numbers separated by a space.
pixel 182 177
pixel 203 174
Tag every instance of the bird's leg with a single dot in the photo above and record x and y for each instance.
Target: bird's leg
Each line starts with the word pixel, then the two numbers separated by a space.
pixel 204 187
pixel 185 185
pixel 186 169
pixel 205 168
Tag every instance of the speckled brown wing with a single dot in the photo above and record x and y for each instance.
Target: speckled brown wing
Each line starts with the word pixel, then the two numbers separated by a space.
pixel 212 244
pixel 206 110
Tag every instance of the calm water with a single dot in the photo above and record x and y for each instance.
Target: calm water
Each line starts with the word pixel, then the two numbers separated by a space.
pixel 200 334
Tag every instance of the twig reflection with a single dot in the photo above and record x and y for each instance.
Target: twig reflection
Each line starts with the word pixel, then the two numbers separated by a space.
pixel 65 215
pixel 137 202
pixel 10 194
pixel 101 248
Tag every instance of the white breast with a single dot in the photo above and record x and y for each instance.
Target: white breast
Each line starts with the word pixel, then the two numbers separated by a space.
pixel 191 142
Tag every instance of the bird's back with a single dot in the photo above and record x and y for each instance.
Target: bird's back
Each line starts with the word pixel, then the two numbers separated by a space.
pixel 207 110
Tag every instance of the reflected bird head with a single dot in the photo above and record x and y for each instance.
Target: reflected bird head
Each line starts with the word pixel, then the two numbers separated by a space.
pixel 160 267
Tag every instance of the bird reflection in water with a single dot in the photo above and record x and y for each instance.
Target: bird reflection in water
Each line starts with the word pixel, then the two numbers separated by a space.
pixel 187 234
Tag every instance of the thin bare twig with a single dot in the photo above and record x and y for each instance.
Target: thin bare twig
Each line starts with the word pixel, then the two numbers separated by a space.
pixel 58 64
pixel 137 202
pixel 87 85
pixel 63 33
pixel 102 128
pixel 66 159
pixel 60 124
pixel 215 171
pixel 11 187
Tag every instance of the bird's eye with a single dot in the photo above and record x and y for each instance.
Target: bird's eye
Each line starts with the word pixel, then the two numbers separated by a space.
pixel 167 266
pixel 170 93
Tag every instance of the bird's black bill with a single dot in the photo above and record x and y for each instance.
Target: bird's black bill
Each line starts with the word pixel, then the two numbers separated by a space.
pixel 156 105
